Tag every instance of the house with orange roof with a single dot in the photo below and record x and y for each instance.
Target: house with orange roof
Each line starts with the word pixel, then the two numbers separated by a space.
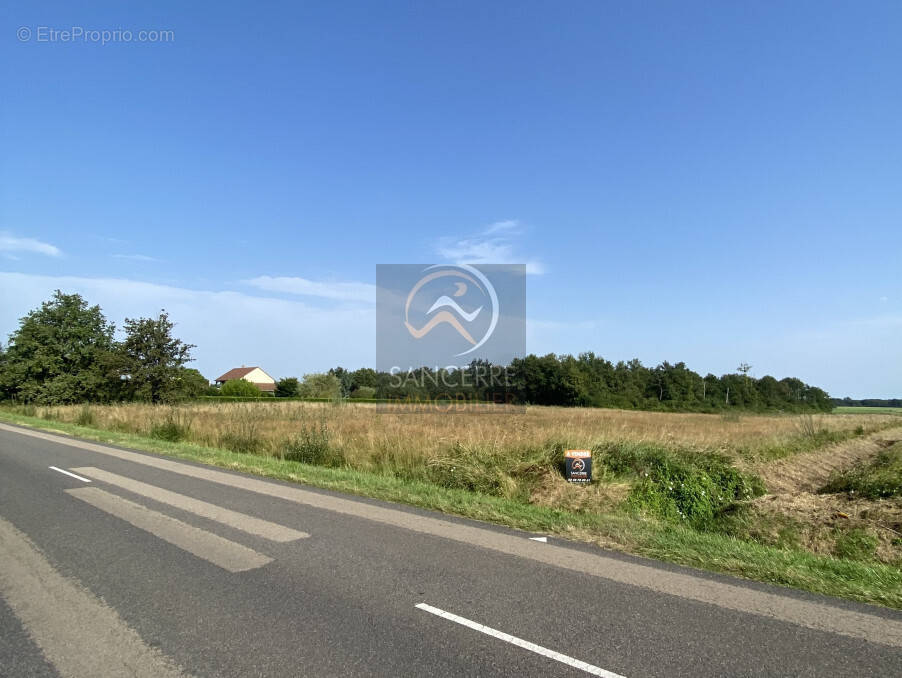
pixel 255 375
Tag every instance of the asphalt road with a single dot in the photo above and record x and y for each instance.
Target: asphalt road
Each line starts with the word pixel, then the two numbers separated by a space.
pixel 145 566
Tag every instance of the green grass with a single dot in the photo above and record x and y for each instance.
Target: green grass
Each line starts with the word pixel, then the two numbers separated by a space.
pixel 867 410
pixel 881 478
pixel 635 531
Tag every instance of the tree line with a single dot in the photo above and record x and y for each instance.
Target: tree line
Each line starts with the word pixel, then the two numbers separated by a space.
pixel 867 402
pixel 65 351
pixel 588 380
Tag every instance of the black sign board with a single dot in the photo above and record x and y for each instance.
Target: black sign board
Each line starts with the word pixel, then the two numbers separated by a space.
pixel 578 465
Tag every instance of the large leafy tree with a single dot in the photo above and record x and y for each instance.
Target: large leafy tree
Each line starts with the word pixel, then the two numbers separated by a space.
pixel 152 360
pixel 61 353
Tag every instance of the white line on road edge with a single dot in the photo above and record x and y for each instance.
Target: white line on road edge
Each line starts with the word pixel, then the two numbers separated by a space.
pixel 519 642
pixel 69 473
pixel 544 540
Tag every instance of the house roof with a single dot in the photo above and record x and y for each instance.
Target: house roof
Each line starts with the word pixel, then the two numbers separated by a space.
pixel 236 373
pixel 266 387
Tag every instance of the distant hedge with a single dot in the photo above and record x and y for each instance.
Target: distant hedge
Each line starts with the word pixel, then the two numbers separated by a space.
pixel 255 399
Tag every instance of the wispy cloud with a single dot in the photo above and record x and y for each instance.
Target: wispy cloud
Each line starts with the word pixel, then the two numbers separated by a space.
pixel 342 291
pixel 134 257
pixel 492 245
pixel 11 243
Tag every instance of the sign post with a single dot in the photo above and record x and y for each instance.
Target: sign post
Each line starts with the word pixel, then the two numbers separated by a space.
pixel 578 464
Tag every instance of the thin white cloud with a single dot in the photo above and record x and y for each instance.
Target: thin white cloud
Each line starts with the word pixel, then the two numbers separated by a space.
pixel 11 243
pixel 134 257
pixel 342 291
pixel 493 245
pixel 509 226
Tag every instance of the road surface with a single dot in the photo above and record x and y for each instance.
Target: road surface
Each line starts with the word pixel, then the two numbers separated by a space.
pixel 120 563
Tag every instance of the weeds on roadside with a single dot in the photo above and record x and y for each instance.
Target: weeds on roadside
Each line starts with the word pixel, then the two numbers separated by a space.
pixel 855 544
pixel 243 436
pixel 880 478
pixel 85 417
pixel 174 427
pixel 312 445
pixel 491 470
pixel 690 488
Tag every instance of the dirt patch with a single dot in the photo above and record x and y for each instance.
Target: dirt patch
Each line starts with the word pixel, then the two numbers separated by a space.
pixel 810 471
pixel 821 521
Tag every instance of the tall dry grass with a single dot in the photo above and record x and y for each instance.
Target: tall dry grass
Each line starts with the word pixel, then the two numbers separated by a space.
pixel 369 437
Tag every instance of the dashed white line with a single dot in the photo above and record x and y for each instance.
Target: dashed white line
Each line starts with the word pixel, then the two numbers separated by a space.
pixel 519 642
pixel 69 473
pixel 543 540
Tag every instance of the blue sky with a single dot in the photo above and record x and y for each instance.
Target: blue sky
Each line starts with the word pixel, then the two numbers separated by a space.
pixel 705 182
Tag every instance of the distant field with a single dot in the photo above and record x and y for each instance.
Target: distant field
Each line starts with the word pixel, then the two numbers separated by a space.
pixel 867 410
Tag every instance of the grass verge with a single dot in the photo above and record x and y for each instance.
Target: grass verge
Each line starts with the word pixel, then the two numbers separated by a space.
pixel 880 478
pixel 633 533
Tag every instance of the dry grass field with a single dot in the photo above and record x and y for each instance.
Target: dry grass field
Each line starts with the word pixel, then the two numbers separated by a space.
pixel 369 437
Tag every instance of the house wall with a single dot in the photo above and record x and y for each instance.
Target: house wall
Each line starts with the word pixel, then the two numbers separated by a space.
pixel 258 376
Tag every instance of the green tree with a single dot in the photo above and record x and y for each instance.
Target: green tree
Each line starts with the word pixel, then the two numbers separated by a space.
pixel 61 353
pixel 240 388
pixel 287 387
pixel 345 380
pixel 152 359
pixel 321 385
pixel 365 376
pixel 189 383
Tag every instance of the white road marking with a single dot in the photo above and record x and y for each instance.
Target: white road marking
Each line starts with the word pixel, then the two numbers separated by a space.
pixel 519 642
pixel 544 540
pixel 211 547
pixel 68 473
pixel 239 521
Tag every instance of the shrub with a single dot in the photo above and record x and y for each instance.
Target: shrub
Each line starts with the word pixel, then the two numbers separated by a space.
pixel 320 385
pixel 287 387
pixel 244 436
pixel 312 445
pixel 174 427
pixel 238 442
pixel 240 388
pixel 879 479
pixel 679 486
pixel 85 417
pixel 365 392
